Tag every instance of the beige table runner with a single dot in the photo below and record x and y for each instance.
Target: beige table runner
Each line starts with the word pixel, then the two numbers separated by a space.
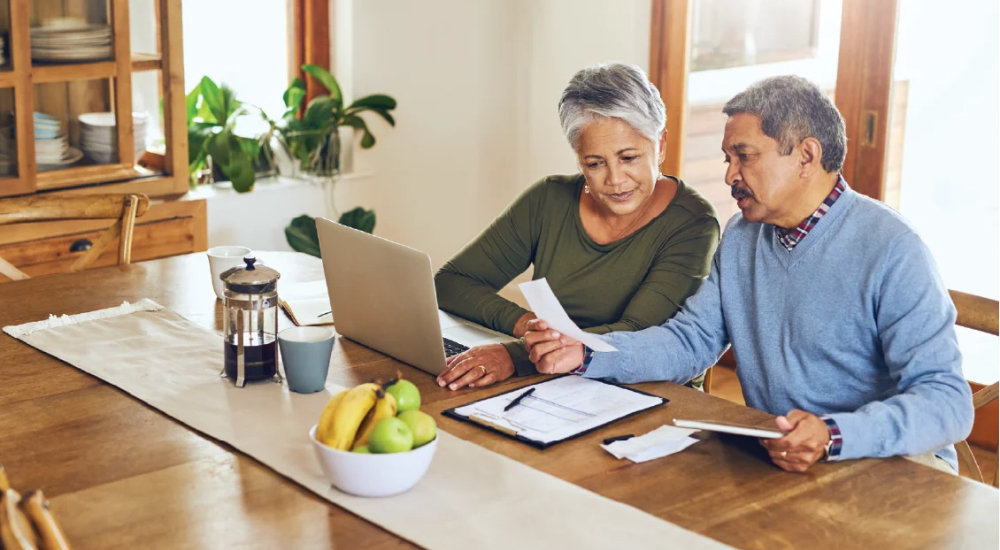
pixel 173 365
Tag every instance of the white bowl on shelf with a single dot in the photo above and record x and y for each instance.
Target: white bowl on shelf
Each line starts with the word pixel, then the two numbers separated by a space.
pixel 373 475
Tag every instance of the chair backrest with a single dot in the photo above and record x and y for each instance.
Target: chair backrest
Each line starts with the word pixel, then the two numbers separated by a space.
pixel 982 314
pixel 124 209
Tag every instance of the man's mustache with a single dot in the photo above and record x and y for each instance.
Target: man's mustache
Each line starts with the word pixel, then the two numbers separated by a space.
pixel 739 192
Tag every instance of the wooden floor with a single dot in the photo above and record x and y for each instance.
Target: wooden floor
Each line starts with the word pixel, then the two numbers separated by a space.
pixel 727 386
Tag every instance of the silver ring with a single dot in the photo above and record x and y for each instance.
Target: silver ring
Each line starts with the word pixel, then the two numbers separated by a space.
pixel 784 454
pixel 484 369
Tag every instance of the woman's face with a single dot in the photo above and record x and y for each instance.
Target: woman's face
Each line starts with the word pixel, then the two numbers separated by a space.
pixel 620 164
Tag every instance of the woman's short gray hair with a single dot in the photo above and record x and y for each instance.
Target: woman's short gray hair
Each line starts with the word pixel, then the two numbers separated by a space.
pixel 613 90
pixel 790 109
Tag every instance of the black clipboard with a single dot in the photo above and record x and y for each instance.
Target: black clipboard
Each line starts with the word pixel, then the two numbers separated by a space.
pixel 450 413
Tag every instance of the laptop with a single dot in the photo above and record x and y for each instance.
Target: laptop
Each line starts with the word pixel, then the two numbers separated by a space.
pixel 382 296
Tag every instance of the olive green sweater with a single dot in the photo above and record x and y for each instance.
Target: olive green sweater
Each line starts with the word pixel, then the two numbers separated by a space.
pixel 628 285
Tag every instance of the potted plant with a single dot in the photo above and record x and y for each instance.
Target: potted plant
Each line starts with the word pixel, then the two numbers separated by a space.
pixel 216 140
pixel 311 136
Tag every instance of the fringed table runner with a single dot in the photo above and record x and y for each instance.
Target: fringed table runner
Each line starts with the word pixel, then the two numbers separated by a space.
pixel 173 365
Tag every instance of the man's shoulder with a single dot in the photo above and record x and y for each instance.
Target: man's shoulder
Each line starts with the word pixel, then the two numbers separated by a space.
pixel 876 223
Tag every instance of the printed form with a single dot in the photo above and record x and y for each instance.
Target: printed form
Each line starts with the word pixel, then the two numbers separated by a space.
pixel 560 408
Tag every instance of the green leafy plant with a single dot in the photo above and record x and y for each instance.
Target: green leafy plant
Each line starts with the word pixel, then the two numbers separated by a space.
pixel 311 136
pixel 212 116
pixel 302 236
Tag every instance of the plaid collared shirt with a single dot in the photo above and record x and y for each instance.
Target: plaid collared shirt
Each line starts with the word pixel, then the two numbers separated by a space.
pixel 791 237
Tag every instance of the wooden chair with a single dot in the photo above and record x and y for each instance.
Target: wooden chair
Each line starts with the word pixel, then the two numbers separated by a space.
pixel 980 314
pixel 39 208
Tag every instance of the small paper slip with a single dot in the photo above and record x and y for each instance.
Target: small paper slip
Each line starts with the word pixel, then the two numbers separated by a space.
pixel 663 441
pixel 306 304
pixel 558 409
pixel 546 306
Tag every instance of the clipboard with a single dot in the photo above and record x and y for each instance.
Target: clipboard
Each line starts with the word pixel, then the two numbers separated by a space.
pixel 505 431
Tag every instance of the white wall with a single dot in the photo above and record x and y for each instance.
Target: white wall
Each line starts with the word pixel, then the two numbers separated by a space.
pixel 477 82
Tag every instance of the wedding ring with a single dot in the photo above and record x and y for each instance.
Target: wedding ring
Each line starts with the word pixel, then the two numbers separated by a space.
pixel 784 454
pixel 484 369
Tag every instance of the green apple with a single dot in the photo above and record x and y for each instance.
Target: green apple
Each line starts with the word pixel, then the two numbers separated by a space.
pixel 407 396
pixel 363 449
pixel 390 435
pixel 421 424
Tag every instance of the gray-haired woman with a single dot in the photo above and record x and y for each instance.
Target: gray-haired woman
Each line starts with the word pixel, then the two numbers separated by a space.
pixel 621 245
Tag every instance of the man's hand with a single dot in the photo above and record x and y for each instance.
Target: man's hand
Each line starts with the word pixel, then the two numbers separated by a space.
pixel 477 367
pixel 806 435
pixel 551 352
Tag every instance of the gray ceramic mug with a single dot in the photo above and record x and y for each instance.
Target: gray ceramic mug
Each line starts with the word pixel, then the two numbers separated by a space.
pixel 305 354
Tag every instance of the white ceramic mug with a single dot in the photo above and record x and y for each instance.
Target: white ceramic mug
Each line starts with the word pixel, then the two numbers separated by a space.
pixel 222 258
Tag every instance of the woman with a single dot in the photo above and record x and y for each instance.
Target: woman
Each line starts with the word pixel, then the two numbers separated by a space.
pixel 621 245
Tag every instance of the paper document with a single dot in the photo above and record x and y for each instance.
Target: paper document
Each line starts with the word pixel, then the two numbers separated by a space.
pixel 546 306
pixel 663 441
pixel 306 303
pixel 560 408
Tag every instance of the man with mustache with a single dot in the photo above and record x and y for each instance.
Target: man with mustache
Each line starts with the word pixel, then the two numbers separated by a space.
pixel 834 308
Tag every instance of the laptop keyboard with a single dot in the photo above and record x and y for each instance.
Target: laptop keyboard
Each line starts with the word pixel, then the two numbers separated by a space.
pixel 453 348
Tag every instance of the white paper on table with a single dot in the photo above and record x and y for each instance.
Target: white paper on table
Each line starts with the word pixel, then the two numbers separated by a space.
pixel 546 306
pixel 636 445
pixel 561 408
pixel 662 450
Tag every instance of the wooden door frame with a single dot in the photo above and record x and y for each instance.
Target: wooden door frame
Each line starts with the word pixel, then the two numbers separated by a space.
pixel 863 93
pixel 864 89
pixel 669 59
pixel 311 41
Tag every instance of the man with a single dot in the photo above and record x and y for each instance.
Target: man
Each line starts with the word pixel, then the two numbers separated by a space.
pixel 832 303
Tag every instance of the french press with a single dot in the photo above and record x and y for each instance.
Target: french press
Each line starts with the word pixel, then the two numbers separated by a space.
pixel 250 318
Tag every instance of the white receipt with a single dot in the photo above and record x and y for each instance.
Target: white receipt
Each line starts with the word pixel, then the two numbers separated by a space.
pixel 663 441
pixel 546 306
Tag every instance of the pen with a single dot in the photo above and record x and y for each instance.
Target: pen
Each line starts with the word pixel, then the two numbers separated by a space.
pixel 517 400
pixel 325 313
pixel 611 440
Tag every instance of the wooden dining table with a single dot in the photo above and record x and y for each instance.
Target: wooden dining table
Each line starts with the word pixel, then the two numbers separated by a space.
pixel 120 474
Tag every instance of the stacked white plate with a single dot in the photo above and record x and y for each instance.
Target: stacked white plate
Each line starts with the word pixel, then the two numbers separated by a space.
pixel 99 136
pixel 52 150
pixel 61 40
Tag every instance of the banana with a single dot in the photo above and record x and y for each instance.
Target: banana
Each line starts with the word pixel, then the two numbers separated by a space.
pixel 37 509
pixel 385 407
pixel 16 532
pixel 349 414
pixel 325 426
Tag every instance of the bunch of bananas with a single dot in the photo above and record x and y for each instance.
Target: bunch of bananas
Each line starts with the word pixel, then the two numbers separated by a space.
pixel 26 522
pixel 351 415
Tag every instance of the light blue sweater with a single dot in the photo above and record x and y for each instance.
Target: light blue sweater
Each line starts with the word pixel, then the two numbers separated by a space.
pixel 854 322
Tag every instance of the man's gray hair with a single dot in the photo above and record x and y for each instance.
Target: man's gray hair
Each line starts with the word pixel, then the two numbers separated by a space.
pixel 612 90
pixel 791 109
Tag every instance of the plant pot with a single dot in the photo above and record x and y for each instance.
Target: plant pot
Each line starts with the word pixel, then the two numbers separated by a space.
pixel 324 162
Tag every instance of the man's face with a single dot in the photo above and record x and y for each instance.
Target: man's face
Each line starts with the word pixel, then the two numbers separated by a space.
pixel 763 182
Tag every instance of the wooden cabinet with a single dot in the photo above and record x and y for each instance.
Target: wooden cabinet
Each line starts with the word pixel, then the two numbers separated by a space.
pixel 167 229
pixel 116 108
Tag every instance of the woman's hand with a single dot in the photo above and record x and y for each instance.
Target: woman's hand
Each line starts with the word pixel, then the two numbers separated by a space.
pixel 550 351
pixel 521 326
pixel 478 367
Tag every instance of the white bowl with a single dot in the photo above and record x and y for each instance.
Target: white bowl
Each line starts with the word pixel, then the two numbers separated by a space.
pixel 373 475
